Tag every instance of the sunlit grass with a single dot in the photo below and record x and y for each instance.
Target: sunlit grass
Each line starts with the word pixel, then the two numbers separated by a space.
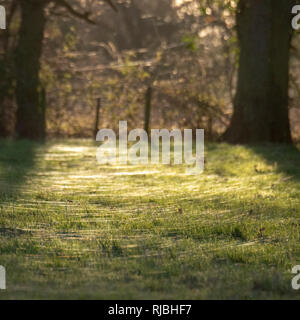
pixel 71 228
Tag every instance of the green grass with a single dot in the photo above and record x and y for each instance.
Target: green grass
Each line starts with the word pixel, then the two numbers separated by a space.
pixel 70 228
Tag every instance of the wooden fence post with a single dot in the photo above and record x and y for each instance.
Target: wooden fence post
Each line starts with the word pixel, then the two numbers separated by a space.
pixel 148 109
pixel 96 128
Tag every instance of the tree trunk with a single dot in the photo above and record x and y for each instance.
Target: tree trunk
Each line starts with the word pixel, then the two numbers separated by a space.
pixel 7 89
pixel 30 122
pixel 7 105
pixel 261 102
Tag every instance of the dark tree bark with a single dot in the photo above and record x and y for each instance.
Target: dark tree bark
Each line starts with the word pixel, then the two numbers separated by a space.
pixel 7 105
pixel 261 102
pixel 7 101
pixel 30 122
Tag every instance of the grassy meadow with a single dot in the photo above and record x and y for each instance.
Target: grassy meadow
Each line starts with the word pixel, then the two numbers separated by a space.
pixel 73 229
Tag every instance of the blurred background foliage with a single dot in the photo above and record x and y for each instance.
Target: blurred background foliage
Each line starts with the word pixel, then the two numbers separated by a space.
pixel 186 51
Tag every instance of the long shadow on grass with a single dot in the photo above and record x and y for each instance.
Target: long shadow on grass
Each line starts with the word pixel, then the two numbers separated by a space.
pixel 286 157
pixel 17 159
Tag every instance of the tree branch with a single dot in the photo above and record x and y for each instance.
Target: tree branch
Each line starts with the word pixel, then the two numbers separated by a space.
pixel 113 6
pixel 74 12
